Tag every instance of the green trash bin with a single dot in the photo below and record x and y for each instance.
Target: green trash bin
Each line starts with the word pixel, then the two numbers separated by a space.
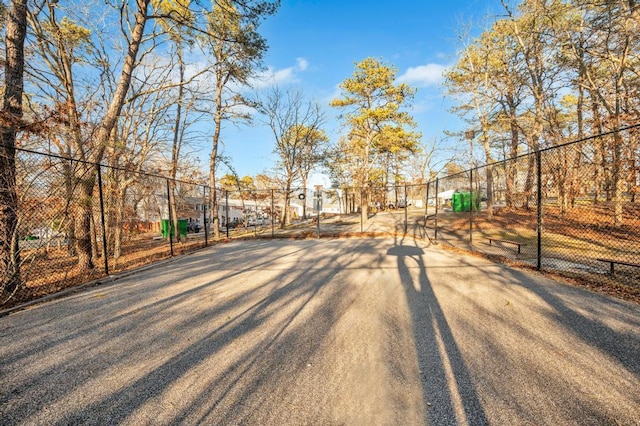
pixel 456 202
pixel 465 201
pixel 164 228
pixel 475 201
pixel 182 227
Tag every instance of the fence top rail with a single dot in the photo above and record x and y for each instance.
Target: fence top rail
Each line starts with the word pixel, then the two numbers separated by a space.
pixel 92 163
pixel 387 187
pixel 541 150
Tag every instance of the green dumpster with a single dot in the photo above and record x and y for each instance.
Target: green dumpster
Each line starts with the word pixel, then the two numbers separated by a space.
pixel 182 228
pixel 465 201
pixel 164 228
pixel 456 202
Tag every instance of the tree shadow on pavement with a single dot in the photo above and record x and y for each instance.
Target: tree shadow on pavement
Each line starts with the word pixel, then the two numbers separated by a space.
pixel 450 396
pixel 118 355
pixel 539 349
pixel 590 325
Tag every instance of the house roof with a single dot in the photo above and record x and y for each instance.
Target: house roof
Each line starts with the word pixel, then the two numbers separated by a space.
pixel 446 194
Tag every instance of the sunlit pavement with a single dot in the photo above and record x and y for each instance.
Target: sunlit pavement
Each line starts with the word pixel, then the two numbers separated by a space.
pixel 360 331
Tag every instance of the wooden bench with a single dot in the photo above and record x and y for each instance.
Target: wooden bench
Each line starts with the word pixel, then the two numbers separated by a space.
pixel 619 262
pixel 497 240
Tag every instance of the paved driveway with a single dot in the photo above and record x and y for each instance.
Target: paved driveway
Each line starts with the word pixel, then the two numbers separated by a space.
pixel 354 331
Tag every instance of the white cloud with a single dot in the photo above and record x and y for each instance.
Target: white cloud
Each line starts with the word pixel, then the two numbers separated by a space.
pixel 423 75
pixel 337 93
pixel 421 107
pixel 302 63
pixel 281 77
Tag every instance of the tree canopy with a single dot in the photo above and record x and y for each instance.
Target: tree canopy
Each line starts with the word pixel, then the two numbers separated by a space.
pixel 377 122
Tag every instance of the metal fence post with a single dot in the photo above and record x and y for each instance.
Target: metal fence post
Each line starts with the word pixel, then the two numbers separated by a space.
pixel 169 222
pixel 361 210
pixel 105 254
pixel 426 205
pixel 319 211
pixel 435 225
pixel 226 204
pixel 539 201
pixel 204 215
pixel 471 204
pixel 406 208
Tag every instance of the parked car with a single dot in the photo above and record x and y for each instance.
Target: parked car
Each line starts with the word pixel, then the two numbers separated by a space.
pixel 258 221
pixel 194 227
pixel 231 225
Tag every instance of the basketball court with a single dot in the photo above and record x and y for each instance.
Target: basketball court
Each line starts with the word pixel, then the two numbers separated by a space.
pixel 333 331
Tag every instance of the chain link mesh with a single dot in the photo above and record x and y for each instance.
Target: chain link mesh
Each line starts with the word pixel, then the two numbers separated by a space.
pixel 572 209
pixel 79 221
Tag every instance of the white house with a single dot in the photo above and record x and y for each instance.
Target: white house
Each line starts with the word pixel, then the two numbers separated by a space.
pixel 445 196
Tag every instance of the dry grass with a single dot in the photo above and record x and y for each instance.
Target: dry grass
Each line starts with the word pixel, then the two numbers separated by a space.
pixel 585 232
pixel 48 272
pixel 579 236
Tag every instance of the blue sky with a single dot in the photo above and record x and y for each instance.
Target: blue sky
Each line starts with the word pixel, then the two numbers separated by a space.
pixel 313 45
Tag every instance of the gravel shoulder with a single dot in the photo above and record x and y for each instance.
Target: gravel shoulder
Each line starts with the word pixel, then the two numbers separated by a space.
pixel 332 331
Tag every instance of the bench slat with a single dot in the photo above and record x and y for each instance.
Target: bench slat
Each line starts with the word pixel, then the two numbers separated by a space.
pixel 507 241
pixel 619 262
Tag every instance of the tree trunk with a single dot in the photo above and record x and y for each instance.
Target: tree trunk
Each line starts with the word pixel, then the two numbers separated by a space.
pixel 489 170
pixel 618 179
pixel 511 166
pixel 364 204
pixel 599 151
pixel 115 107
pixel 173 210
pixel 286 217
pixel 83 223
pixel 576 174
pixel 562 180
pixel 117 224
pixel 9 250
pixel 634 165
pixel 16 29
pixel 528 184
pixel 110 204
pixel 177 143
pixel 69 215
pixel 95 251
pixel 217 120
pixel 213 211
pixel 304 202
pixel 104 132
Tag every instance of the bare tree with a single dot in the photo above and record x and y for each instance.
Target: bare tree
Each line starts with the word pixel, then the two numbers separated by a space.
pixel 295 124
pixel 314 146
pixel 237 52
pixel 143 127
pixel 10 123
pixel 428 162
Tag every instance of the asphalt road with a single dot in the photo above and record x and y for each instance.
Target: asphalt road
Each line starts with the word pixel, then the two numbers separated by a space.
pixel 323 332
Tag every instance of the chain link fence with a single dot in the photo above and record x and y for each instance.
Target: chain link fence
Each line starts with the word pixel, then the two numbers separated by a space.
pixel 572 209
pixel 79 221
